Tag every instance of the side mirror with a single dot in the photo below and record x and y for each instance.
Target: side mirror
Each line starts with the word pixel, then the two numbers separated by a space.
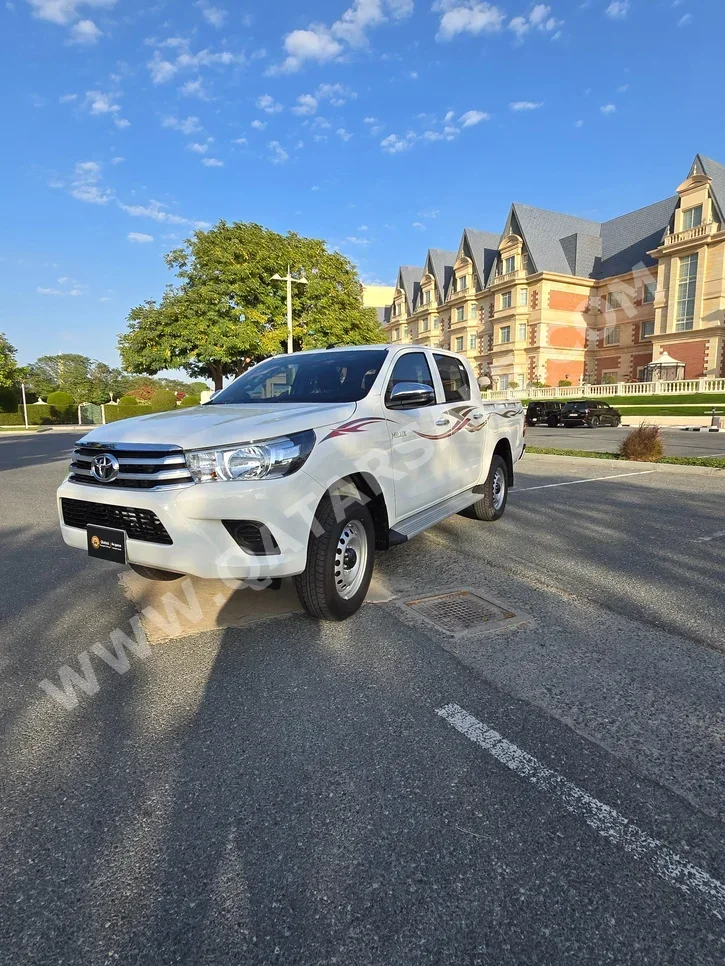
pixel 411 395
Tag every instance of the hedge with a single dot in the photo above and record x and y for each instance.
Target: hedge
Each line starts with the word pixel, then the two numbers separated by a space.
pixel 39 414
pixel 125 410
pixel 188 401
pixel 163 400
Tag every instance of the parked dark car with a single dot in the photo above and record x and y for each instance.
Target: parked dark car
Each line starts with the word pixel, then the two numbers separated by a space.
pixel 544 411
pixel 591 413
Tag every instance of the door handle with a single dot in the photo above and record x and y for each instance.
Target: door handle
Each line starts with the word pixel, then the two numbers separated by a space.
pixel 442 422
pixel 477 416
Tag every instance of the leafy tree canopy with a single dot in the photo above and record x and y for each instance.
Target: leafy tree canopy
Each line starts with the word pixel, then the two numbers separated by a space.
pixel 9 371
pixel 224 313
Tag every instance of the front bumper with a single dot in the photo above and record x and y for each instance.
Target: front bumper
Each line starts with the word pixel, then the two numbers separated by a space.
pixel 192 515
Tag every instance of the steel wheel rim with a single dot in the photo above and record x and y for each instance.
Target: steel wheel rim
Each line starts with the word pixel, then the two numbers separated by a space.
pixel 351 557
pixel 498 488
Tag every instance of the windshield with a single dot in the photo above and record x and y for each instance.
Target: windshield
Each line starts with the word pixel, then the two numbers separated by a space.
pixel 334 377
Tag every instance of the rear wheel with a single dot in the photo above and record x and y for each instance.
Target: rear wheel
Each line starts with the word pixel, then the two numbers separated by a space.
pixel 340 562
pixel 492 504
pixel 595 422
pixel 552 422
pixel 152 573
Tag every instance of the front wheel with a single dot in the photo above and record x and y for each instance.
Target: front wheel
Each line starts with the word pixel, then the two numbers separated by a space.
pixel 492 504
pixel 340 560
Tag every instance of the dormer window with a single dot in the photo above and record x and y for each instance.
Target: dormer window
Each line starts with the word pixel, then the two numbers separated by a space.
pixel 462 283
pixel 509 265
pixel 692 218
pixel 426 298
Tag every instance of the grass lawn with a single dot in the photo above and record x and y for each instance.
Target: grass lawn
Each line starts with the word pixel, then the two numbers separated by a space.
pixel 672 460
pixel 19 429
pixel 644 411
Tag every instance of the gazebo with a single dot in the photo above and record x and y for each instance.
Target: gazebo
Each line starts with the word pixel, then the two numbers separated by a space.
pixel 664 369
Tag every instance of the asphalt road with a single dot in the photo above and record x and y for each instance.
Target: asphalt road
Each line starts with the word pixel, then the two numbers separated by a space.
pixel 607 439
pixel 291 792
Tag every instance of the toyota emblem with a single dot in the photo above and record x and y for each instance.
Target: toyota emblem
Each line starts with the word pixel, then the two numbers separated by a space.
pixel 105 468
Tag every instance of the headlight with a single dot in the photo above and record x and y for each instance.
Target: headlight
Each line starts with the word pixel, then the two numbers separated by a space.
pixel 269 459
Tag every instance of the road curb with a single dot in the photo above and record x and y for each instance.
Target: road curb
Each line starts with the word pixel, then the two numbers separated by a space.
pixel 627 464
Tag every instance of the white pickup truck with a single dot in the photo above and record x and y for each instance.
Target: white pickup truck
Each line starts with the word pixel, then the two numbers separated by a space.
pixel 303 467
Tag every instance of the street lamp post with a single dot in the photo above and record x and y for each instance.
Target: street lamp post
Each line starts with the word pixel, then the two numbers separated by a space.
pixel 289 278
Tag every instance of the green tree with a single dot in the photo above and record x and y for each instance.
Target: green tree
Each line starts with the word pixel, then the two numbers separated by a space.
pixel 85 379
pixel 224 313
pixel 9 371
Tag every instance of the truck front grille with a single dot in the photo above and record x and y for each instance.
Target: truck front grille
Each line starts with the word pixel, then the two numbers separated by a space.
pixel 139 524
pixel 140 466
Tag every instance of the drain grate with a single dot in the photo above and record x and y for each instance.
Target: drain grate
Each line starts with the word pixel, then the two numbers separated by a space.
pixel 459 611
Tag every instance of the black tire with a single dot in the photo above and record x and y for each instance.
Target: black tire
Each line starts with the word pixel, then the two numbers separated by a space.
pixel 491 507
pixel 594 422
pixel 151 573
pixel 552 422
pixel 317 586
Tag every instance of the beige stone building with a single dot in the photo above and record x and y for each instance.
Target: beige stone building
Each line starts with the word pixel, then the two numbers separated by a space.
pixel 555 298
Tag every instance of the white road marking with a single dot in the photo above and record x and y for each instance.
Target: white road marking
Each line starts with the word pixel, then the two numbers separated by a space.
pixel 596 479
pixel 605 820
pixel 714 536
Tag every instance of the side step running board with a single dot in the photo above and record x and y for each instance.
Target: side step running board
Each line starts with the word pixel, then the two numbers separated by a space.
pixel 418 522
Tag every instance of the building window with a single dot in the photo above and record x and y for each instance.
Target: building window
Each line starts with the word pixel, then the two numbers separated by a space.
pixel 648 293
pixel 648 328
pixel 610 378
pixel 424 325
pixel 522 332
pixel 405 331
pixel 459 344
pixel 614 301
pixel 396 335
pixel 474 312
pixel 509 264
pixel 460 314
pixel 503 382
pixel 611 335
pixel 472 341
pixel 462 283
pixel 687 286
pixel 523 296
pixel 505 333
pixel 436 324
pixel 506 300
pixel 692 218
pixel 426 298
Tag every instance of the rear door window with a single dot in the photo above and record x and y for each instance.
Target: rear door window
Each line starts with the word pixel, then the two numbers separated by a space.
pixel 454 376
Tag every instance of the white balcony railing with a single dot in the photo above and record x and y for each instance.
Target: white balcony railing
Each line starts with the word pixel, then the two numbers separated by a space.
pixel 612 389
pixel 690 234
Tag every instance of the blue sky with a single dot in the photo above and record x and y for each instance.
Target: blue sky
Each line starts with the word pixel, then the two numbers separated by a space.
pixel 385 127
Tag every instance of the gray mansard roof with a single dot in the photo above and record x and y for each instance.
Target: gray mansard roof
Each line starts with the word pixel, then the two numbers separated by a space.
pixel 716 172
pixel 440 265
pixel 409 281
pixel 482 247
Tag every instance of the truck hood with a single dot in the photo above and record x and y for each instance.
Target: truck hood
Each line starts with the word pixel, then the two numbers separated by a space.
pixel 212 426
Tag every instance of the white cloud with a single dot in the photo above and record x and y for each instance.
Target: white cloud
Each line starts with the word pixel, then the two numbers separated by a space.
pixel 85 32
pixel 105 298
pixel 121 123
pixel 579 124
pixel 49 291
pixel 320 43
pixel 467 16
pixel 473 117
pixel 336 94
pixel 362 228
pixel 526 105
pixel 67 98
pixel 685 21
pixel 623 89
pixel 163 68
pixel 315 187
pixel 212 163
pixel 240 141
pixel 98 103
pixel 157 212
pixel 393 144
pixel 197 147
pixel 85 185
pixel 279 155
pixel 354 240
pixel 196 89
pixel 268 104
pixel 618 10
pixel 418 226
pixel 139 237
pixel 343 134
pixel 370 120
pixel 213 15
pixel 609 109
pixel 258 125
pixel 117 160
pixel 306 104
pixel 539 19
pixel 64 12
pixel 188 125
